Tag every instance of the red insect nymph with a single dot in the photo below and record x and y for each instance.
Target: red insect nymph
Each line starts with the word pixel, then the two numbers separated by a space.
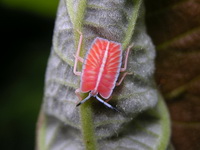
pixel 101 69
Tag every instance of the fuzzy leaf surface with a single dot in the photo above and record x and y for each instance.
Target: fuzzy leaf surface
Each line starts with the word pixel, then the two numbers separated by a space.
pixel 146 123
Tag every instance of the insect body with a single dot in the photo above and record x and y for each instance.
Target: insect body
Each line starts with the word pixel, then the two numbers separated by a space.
pixel 101 69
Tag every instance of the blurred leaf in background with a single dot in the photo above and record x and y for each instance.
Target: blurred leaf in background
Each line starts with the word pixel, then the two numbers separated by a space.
pixel 40 7
pixel 174 26
pixel 26 31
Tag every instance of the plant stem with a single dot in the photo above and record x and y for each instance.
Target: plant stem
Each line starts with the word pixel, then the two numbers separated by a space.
pixel 88 126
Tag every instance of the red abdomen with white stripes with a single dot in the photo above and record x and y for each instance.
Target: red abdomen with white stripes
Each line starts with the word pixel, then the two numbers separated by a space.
pixel 101 67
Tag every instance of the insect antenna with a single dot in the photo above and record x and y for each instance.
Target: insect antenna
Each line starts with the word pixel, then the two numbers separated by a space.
pixel 105 103
pixel 83 101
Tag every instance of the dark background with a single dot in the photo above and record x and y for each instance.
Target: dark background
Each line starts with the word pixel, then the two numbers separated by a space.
pixel 26 35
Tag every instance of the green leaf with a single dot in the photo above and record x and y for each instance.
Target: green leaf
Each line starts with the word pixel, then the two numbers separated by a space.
pixel 145 124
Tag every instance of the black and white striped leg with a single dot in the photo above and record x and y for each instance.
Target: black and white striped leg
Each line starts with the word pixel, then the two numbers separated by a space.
pixel 108 105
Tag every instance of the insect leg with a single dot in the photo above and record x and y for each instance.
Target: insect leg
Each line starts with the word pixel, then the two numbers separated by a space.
pixel 81 102
pixel 126 59
pixel 78 93
pixel 77 57
pixel 122 78
pixel 108 105
pixel 108 99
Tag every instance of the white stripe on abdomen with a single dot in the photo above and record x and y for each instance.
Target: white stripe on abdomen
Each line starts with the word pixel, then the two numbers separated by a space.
pixel 102 67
